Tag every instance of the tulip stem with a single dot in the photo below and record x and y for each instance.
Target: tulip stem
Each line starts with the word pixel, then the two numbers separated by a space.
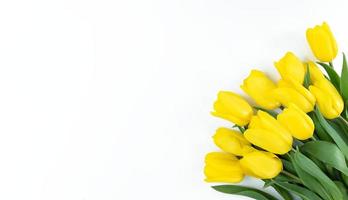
pixel 331 65
pixel 344 120
pixel 297 179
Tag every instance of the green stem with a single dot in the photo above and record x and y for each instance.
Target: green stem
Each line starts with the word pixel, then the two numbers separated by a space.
pixel 331 65
pixel 297 179
pixel 344 120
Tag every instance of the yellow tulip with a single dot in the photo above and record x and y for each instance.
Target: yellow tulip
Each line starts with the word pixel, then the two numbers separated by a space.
pixel 292 92
pixel 322 42
pixel 314 72
pixel 291 67
pixel 299 124
pixel 260 164
pixel 232 107
pixel 267 133
pixel 329 101
pixel 232 141
pixel 222 167
pixel 259 88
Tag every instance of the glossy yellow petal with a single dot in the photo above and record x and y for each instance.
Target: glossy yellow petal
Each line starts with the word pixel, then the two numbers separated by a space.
pixel 231 141
pixel 271 124
pixel 222 167
pixel 329 101
pixel 291 67
pixel 232 107
pixel 292 92
pixel 315 72
pixel 322 42
pixel 258 86
pixel 268 140
pixel 260 164
pixel 299 124
pixel 266 132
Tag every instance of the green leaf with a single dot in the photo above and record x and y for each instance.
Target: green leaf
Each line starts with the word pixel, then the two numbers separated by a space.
pixel 244 191
pixel 283 193
pixel 300 191
pixel 343 189
pixel 288 166
pixel 333 133
pixel 320 131
pixel 327 153
pixel 345 110
pixel 307 78
pixel 345 179
pixel 334 77
pixel 341 128
pixel 309 167
pixel 344 79
pixel 310 181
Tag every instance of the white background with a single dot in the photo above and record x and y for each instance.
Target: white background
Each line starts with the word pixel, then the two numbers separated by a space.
pixel 104 100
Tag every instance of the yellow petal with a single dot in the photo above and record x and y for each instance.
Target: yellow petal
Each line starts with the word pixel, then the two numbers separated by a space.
pixel 322 42
pixel 270 141
pixel 315 72
pixel 297 122
pixel 232 107
pixel 222 167
pixel 260 164
pixel 329 100
pixel 258 86
pixel 231 141
pixel 291 67
pixel 290 95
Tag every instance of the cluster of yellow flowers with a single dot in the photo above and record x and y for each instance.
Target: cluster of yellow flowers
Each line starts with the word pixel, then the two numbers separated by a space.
pixel 253 150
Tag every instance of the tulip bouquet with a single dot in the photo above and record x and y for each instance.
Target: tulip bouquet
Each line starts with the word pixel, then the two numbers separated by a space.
pixel 295 136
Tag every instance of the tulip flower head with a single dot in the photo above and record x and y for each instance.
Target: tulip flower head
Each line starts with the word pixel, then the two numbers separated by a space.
pixel 232 141
pixel 329 100
pixel 299 124
pixel 322 42
pixel 292 92
pixel 222 167
pixel 267 133
pixel 232 107
pixel 259 87
pixel 261 164
pixel 291 67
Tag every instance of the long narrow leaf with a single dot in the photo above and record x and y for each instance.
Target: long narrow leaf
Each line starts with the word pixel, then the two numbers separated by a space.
pixel 327 153
pixel 344 79
pixel 244 191
pixel 333 133
pixel 322 134
pixel 300 191
pixel 308 166
pixel 310 181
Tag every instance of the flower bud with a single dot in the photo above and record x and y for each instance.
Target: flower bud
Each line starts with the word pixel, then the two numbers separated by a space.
pixel 261 164
pixel 292 92
pixel 232 107
pixel 259 87
pixel 232 141
pixel 222 167
pixel 291 67
pixel 299 124
pixel 267 133
pixel 322 42
pixel 329 101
